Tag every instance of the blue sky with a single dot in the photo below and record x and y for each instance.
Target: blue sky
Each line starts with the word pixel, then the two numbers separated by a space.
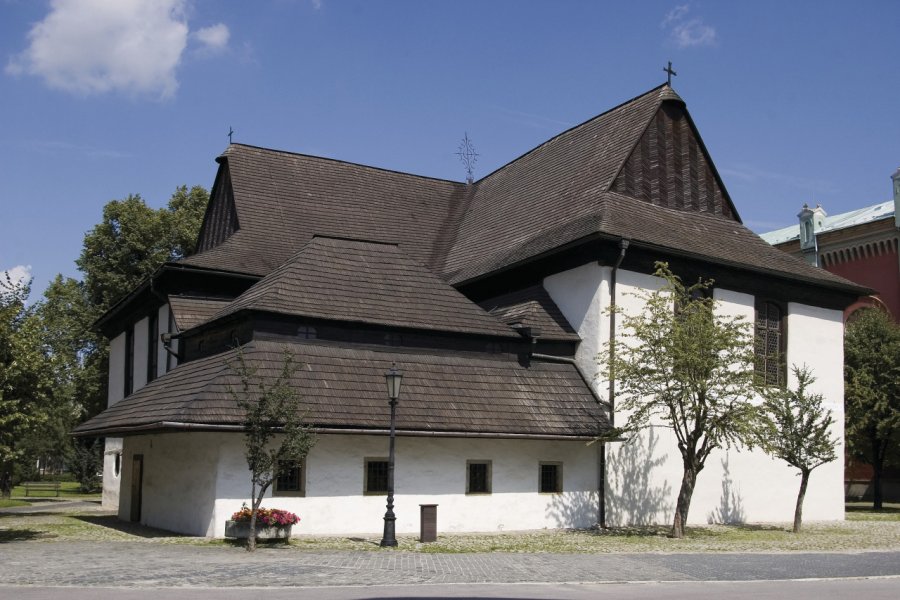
pixel 796 101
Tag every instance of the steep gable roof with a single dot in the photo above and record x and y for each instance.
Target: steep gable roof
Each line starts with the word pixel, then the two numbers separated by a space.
pixel 574 186
pixel 365 282
pixel 281 200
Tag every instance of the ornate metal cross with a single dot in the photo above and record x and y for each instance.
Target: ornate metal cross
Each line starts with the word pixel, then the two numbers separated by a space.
pixel 670 72
pixel 231 131
pixel 468 156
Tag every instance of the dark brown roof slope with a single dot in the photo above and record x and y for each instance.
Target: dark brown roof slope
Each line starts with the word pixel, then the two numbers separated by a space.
pixel 532 307
pixel 343 388
pixel 553 195
pixel 555 183
pixel 365 282
pixel 190 311
pixel 283 199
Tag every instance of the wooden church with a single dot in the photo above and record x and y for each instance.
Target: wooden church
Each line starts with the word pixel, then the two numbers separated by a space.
pixel 491 297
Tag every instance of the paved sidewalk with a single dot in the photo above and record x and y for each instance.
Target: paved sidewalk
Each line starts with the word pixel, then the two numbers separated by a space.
pixel 135 564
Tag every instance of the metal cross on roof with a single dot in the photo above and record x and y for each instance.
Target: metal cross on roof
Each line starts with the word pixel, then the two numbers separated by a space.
pixel 231 131
pixel 670 72
pixel 468 156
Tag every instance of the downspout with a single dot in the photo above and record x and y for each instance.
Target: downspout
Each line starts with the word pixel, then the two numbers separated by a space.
pixel 611 401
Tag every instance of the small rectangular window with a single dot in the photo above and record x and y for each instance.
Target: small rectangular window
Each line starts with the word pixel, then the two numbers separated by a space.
pixel 152 341
pixel 129 361
pixel 478 479
pixel 291 480
pixel 376 476
pixel 550 478
pixel 170 329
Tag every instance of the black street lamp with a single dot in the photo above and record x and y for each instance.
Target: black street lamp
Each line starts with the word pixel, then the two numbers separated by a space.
pixel 393 378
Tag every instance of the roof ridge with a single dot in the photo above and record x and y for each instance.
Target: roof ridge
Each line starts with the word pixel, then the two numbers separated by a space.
pixel 572 128
pixel 224 154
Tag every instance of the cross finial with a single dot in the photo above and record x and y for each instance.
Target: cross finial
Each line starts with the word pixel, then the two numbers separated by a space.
pixel 231 132
pixel 468 156
pixel 670 72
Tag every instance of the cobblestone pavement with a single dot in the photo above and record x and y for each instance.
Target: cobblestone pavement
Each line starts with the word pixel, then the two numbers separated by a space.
pixel 134 564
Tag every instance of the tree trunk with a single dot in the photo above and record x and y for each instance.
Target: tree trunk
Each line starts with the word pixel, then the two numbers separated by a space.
pixel 688 480
pixel 251 539
pixel 877 470
pixel 798 511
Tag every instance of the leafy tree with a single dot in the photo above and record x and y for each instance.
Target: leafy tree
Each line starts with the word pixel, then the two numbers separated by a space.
pixel 794 426
pixel 86 463
pixel 124 249
pixel 872 391
pixel 24 386
pixel 274 429
pixel 133 240
pixel 681 364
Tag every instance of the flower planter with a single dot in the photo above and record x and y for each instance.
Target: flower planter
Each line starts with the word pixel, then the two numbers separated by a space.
pixel 241 530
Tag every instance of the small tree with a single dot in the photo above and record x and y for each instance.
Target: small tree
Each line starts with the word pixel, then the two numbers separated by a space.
pixel 794 426
pixel 681 364
pixel 273 424
pixel 872 391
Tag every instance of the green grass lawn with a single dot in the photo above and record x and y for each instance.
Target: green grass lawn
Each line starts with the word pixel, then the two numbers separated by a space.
pixel 70 490
pixel 863 530
pixel 4 503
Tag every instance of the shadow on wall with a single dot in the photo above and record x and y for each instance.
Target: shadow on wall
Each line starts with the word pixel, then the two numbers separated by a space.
pixel 731 505
pixel 577 510
pixel 632 495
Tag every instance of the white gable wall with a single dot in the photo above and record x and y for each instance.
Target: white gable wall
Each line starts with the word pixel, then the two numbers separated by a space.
pixel 644 474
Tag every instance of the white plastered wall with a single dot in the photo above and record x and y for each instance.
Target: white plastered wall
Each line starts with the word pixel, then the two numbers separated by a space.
pixel 644 474
pixel 184 472
pixel 113 446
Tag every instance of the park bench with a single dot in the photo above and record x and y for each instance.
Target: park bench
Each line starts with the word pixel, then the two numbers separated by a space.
pixel 41 486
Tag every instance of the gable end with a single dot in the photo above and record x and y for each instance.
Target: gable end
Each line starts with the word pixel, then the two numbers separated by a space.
pixel 670 167
pixel 221 219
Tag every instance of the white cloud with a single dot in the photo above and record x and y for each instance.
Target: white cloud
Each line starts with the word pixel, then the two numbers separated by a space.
pixel 18 275
pixel 685 32
pixel 214 37
pixel 676 14
pixel 317 4
pixel 134 47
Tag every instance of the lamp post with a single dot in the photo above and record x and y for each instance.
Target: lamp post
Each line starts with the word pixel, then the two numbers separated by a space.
pixel 393 378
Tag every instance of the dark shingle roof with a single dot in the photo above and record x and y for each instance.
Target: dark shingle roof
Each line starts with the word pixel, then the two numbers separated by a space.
pixel 365 282
pixel 283 199
pixel 553 184
pixel 550 196
pixel 344 388
pixel 189 311
pixel 532 307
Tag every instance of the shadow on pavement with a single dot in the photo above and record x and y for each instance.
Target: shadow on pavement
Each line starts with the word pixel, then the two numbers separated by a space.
pixel 136 529
pixel 23 535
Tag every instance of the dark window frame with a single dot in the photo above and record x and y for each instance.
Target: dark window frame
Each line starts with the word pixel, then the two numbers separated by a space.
pixel 763 354
pixel 128 384
pixel 299 490
pixel 171 329
pixel 488 487
pixel 152 347
pixel 367 476
pixel 557 488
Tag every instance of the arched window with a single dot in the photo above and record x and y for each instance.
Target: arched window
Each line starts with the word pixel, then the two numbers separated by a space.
pixel 769 343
